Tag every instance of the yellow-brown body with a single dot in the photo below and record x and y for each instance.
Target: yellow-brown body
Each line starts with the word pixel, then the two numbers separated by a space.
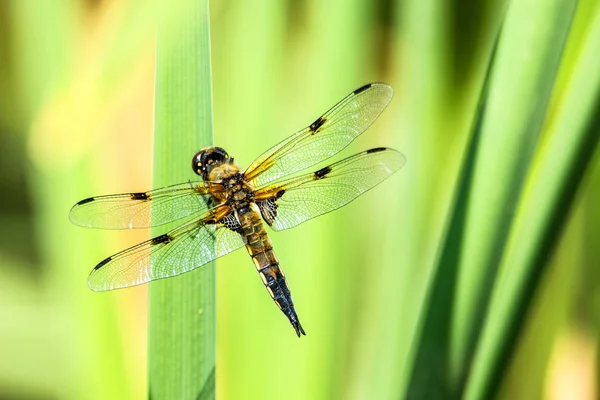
pixel 239 195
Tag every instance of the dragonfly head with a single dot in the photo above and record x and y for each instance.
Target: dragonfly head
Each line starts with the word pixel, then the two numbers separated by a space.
pixel 208 158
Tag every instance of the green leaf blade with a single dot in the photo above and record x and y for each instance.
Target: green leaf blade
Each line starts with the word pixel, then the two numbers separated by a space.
pixel 529 53
pixel 182 326
pixel 554 183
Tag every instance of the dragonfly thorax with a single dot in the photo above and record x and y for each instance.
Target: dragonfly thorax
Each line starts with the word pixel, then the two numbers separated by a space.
pixel 239 193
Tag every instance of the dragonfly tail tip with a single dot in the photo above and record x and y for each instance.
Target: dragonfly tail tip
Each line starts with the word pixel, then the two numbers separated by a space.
pixel 298 328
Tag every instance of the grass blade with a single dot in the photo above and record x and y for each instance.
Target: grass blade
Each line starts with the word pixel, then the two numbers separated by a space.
pixel 572 140
pixel 523 74
pixel 421 55
pixel 529 52
pixel 182 325
pixel 432 360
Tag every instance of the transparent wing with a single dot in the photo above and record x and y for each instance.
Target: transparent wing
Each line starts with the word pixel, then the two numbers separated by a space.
pixel 325 137
pixel 181 250
pixel 133 210
pixel 290 202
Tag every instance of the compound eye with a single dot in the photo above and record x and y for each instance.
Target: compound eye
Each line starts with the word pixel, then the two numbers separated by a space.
pixel 197 164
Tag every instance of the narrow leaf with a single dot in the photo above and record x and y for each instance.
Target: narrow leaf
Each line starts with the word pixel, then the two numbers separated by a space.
pixel 562 165
pixel 182 309
pixel 432 360
pixel 529 51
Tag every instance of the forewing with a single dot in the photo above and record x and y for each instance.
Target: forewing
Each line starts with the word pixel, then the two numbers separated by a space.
pixel 181 250
pixel 325 137
pixel 144 209
pixel 290 202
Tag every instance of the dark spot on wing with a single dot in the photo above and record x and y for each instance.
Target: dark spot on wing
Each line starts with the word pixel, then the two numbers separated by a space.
pixel 280 193
pixel 362 88
pixel 84 201
pixel 103 262
pixel 161 239
pixel 139 196
pixel 231 222
pixel 376 150
pixel 314 127
pixel 268 209
pixel 322 172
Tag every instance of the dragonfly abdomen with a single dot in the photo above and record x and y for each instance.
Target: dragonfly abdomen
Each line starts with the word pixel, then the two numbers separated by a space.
pixel 276 284
pixel 260 249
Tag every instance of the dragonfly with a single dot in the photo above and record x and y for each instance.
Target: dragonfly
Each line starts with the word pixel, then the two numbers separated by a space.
pixel 229 207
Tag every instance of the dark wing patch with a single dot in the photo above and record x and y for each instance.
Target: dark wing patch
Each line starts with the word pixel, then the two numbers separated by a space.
pixel 336 129
pixel 145 209
pixel 308 196
pixel 268 210
pixel 181 250
pixel 314 127
pixel 232 223
pixel 140 196
pixel 166 238
pixel 322 172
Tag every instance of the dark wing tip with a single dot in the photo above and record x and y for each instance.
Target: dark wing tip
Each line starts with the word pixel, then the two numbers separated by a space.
pixel 84 201
pixel 396 159
pixel 102 263
pixel 370 85
pixel 73 211
pixel 93 286
pixel 363 88
pixel 376 150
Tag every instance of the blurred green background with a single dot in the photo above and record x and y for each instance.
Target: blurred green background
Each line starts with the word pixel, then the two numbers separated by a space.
pixel 76 120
